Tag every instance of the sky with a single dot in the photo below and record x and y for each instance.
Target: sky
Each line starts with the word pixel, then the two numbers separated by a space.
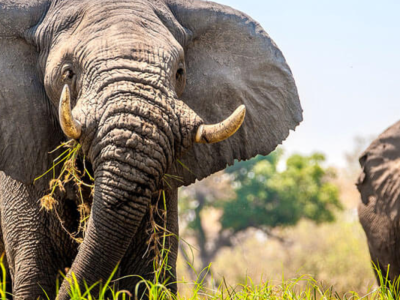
pixel 345 58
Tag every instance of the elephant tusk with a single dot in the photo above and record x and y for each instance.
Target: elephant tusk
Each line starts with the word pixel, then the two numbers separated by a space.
pixel 209 134
pixel 71 127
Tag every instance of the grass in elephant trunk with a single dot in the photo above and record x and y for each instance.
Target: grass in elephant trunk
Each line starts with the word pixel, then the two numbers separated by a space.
pixel 69 173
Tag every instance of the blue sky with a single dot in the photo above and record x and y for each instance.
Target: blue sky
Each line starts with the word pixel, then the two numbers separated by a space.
pixel 345 57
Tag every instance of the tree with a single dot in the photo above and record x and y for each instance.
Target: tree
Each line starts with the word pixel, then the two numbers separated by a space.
pixel 195 202
pixel 257 194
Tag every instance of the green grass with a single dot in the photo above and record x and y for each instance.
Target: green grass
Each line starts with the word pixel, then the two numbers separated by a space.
pixel 300 288
pixel 303 287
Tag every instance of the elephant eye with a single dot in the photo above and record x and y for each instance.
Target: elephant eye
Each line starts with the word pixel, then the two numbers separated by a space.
pixel 180 81
pixel 68 75
pixel 180 73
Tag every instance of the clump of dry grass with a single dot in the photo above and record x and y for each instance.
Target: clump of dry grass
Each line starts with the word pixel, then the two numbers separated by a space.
pixel 70 173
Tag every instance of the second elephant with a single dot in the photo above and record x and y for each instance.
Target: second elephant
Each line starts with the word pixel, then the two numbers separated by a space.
pixel 379 211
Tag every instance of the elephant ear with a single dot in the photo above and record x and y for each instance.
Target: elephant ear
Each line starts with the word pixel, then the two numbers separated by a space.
pixel 27 131
pixel 231 61
pixel 379 180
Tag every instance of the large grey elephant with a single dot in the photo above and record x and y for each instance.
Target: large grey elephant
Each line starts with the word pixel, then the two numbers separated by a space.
pixel 379 212
pixel 143 79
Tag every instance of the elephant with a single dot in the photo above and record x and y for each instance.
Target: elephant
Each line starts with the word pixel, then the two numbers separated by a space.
pixel 379 210
pixel 147 88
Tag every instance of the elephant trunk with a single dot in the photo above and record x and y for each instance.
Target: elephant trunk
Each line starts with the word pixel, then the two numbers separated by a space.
pixel 117 211
pixel 130 152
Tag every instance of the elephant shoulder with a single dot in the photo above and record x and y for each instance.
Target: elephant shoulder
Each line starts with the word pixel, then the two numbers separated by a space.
pixel 379 180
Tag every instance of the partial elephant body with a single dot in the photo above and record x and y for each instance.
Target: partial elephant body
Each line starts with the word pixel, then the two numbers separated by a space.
pixel 136 82
pixel 379 212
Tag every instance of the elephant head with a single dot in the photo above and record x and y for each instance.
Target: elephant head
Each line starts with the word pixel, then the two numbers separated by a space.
pixel 379 211
pixel 136 82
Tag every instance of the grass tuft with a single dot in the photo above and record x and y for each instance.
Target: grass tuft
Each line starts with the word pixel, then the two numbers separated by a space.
pixel 70 173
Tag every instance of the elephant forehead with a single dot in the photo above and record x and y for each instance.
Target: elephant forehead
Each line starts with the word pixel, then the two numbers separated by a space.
pixel 105 17
pixel 107 27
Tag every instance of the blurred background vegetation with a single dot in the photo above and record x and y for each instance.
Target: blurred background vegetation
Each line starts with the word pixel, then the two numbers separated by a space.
pixel 277 216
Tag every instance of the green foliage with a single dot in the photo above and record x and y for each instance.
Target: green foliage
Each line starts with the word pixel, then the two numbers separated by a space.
pixel 240 170
pixel 267 197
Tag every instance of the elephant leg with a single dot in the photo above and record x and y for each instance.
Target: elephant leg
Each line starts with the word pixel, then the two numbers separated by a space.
pixel 383 236
pixel 32 239
pixel 139 257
